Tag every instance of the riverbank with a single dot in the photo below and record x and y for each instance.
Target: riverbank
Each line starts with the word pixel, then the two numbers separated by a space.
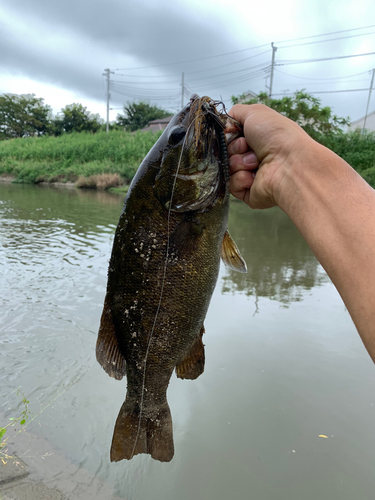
pixel 83 183
pixel 15 483
pixel 77 158
pixel 32 469
pixel 103 161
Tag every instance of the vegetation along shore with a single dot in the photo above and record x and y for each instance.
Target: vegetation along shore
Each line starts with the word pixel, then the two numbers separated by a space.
pixel 108 160
pixel 91 160
pixel 74 148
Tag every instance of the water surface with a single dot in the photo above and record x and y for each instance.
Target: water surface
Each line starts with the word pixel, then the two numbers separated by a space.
pixel 284 363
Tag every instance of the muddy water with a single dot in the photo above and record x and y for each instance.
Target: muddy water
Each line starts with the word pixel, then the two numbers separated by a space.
pixel 283 364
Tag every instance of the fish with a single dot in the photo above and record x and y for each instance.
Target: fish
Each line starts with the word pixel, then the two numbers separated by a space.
pixel 162 272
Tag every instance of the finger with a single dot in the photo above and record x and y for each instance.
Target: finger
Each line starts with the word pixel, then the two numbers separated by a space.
pixel 248 161
pixel 240 184
pixel 239 146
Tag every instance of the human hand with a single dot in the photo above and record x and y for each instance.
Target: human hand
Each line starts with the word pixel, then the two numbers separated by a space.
pixel 261 161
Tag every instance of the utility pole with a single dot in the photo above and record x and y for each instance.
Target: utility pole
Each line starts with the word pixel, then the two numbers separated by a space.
pixel 107 73
pixel 182 91
pixel 272 66
pixel 368 101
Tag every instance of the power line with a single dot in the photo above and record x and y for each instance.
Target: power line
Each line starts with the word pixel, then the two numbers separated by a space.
pixel 148 76
pixel 155 90
pixel 229 64
pixel 195 60
pixel 326 91
pixel 326 40
pixel 327 34
pixel 248 48
pixel 128 85
pixel 246 72
pixel 321 79
pixel 234 72
pixel 225 83
pixel 154 97
pixel 177 75
pixel 327 84
pixel 302 61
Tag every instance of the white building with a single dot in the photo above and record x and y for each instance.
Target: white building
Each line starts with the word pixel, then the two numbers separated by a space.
pixel 247 96
pixel 358 124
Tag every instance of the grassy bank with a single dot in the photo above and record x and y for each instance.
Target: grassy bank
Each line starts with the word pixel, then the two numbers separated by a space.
pixel 70 156
pixel 109 160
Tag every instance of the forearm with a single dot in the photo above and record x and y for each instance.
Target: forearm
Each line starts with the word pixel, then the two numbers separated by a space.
pixel 334 208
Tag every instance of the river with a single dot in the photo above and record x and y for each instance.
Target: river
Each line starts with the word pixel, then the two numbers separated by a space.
pixel 284 364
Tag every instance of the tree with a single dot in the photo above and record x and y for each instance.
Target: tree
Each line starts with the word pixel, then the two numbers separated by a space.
pixel 23 116
pixel 137 116
pixel 76 118
pixel 303 109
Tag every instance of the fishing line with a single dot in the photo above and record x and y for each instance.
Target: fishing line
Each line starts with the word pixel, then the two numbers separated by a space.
pixel 162 286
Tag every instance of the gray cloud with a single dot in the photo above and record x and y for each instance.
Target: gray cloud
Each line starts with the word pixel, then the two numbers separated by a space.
pixel 69 43
pixel 152 33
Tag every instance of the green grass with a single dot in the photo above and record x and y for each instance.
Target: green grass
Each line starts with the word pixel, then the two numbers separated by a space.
pixel 69 156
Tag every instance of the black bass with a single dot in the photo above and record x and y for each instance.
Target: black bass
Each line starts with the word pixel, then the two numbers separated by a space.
pixel 163 270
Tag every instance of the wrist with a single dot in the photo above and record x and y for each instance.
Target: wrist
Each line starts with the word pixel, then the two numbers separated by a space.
pixel 308 176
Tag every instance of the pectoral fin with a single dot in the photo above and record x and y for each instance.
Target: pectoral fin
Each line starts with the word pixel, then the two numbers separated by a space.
pixel 193 364
pixel 231 255
pixel 108 353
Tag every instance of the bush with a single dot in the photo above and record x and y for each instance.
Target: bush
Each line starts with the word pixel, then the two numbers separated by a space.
pixel 354 147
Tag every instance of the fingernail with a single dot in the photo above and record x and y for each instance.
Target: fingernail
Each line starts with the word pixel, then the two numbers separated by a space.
pixel 249 158
pixel 235 147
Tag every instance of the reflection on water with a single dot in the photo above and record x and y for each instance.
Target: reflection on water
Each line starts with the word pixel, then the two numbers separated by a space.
pixel 248 427
pixel 280 264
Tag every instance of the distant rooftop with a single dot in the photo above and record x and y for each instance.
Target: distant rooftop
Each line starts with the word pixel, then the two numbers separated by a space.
pixel 158 124
pixel 247 96
pixel 358 124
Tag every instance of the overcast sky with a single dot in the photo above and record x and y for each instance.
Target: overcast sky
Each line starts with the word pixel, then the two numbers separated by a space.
pixel 59 50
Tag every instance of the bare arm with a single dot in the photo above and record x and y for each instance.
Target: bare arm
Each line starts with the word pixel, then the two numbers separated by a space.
pixel 331 205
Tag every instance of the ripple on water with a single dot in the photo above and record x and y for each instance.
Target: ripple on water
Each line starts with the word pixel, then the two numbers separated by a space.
pixel 52 285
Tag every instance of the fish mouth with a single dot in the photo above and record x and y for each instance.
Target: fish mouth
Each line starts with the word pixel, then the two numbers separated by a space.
pixel 204 128
pixel 204 113
pixel 203 120
pixel 209 131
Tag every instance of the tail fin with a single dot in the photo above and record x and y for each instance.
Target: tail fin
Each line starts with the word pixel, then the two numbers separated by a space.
pixel 152 434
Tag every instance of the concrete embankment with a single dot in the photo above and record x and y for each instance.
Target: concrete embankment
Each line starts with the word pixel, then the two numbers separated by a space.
pixel 31 469
pixel 16 483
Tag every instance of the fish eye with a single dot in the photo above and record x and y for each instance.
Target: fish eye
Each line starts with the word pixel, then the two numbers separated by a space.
pixel 176 134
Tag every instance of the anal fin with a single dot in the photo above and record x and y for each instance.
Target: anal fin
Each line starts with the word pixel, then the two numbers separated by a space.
pixel 193 364
pixel 231 255
pixel 108 353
